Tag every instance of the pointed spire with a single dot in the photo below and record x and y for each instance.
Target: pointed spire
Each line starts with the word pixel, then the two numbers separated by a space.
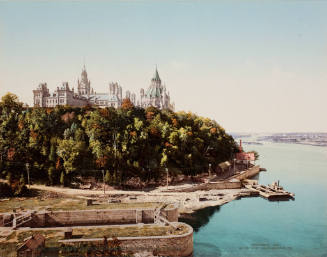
pixel 156 75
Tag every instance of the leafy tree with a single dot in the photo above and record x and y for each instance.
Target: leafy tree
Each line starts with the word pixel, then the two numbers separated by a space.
pixel 70 151
pixel 256 155
pixel 127 142
pixel 127 104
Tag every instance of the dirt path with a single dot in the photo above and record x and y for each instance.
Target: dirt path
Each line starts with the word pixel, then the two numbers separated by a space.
pixel 187 201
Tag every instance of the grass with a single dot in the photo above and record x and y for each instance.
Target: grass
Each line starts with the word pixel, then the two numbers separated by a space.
pixel 17 238
pixel 129 231
pixel 55 204
pixel 11 236
pixel 8 249
pixel 53 235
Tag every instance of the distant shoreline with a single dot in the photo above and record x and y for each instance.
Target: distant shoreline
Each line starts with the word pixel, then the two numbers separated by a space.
pixel 313 139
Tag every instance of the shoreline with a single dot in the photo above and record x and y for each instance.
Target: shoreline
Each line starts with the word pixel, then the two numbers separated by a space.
pixel 188 202
pixel 189 197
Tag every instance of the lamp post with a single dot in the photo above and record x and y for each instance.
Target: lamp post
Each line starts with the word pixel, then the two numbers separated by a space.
pixel 234 165
pixel 167 176
pixel 104 186
pixel 209 170
pixel 28 174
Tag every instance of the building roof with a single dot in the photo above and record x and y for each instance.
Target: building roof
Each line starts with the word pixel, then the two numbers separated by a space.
pixel 156 76
pixel 102 97
pixel 155 89
pixel 224 165
pixel 33 242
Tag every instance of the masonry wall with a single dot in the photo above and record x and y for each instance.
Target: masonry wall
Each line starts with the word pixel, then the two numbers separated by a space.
pixel 160 246
pixel 171 213
pixel 99 217
pixel 91 217
pixel 174 245
pixel 213 185
pixel 5 218
pixel 248 173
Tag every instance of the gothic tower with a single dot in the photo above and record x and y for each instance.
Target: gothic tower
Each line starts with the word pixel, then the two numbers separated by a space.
pixel 84 86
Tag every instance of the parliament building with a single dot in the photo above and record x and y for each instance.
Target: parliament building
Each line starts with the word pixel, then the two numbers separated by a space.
pixel 156 95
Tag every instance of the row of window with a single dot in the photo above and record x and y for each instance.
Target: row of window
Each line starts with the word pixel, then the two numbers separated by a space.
pixel 105 103
pixel 54 101
pixel 60 94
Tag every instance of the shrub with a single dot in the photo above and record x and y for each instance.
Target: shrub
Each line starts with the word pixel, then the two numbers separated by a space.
pixel 5 190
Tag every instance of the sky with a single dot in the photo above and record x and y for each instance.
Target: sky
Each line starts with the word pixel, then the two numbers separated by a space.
pixel 253 66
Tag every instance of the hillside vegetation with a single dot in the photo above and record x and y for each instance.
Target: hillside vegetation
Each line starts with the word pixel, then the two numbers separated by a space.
pixel 62 143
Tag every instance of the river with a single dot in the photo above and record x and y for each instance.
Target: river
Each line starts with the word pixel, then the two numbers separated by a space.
pixel 257 227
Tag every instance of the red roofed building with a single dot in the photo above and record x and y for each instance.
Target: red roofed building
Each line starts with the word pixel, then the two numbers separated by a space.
pixel 32 247
pixel 243 156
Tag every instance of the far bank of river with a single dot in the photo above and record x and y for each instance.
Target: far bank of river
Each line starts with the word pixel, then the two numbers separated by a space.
pixel 257 227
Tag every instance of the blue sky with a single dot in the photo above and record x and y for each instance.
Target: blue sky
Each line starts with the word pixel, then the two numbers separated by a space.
pixel 250 65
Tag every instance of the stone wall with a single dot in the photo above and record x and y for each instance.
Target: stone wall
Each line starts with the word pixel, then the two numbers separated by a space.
pixel 249 173
pixel 173 245
pixel 147 216
pixel 232 184
pixel 170 213
pixel 92 217
pixel 5 219
pixel 100 217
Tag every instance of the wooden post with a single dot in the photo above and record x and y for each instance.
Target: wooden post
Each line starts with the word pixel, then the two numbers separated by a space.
pixel 28 174
pixel 104 185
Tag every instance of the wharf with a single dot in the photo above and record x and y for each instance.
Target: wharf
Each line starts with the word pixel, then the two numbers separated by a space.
pixel 270 192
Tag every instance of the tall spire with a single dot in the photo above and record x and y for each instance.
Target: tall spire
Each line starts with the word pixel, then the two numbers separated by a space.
pixel 84 85
pixel 156 75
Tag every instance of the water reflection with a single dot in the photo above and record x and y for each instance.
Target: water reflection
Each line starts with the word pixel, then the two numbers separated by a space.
pixel 199 218
pixel 207 250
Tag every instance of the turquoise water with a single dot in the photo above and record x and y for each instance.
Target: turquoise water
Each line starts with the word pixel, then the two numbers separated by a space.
pixel 257 227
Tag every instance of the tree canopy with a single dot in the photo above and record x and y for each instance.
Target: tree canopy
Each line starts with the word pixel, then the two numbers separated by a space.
pixel 62 142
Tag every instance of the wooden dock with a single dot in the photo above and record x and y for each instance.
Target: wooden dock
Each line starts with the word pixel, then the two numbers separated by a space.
pixel 270 192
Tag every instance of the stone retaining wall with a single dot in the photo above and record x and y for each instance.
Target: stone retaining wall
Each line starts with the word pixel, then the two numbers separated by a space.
pixel 99 217
pixel 173 245
pixel 170 213
pixel 213 185
pixel 233 183
pixel 91 217
pixel 5 218
pixel 249 173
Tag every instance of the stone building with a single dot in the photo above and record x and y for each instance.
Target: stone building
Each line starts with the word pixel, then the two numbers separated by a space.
pixel 63 95
pixel 156 95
